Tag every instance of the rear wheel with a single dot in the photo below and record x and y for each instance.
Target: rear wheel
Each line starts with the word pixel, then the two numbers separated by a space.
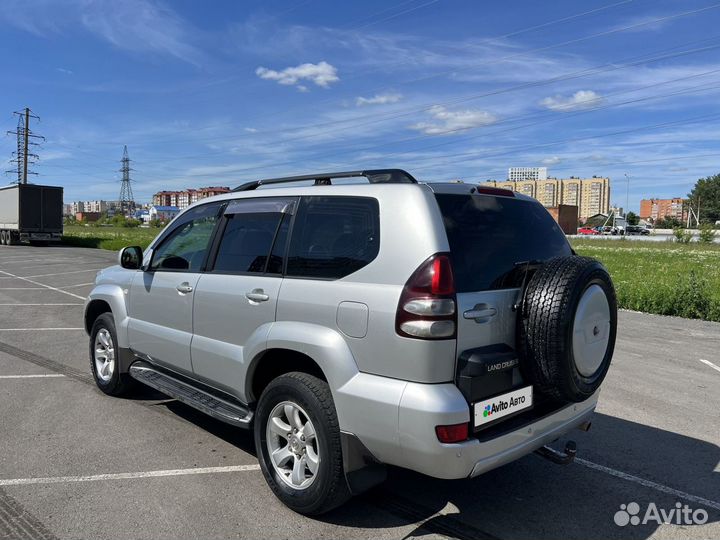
pixel 567 328
pixel 297 438
pixel 3 238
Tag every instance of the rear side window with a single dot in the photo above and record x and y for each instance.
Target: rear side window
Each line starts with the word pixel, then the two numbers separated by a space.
pixel 489 236
pixel 333 236
pixel 246 242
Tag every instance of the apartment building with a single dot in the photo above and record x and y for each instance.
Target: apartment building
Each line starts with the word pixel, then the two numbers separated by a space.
pixel 590 195
pixel 183 199
pixel 527 173
pixel 655 209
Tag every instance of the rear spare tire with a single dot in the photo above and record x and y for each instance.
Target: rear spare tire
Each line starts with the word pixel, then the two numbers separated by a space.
pixel 567 327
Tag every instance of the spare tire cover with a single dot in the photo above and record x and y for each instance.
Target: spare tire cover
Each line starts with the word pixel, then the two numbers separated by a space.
pixel 567 325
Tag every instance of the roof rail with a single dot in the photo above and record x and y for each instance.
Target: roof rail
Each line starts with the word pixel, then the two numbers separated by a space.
pixel 374 176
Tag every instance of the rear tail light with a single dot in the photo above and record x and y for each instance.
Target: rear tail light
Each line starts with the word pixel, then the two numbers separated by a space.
pixel 427 304
pixel 452 434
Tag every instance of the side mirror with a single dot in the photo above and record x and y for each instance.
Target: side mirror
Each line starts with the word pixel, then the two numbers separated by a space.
pixel 131 257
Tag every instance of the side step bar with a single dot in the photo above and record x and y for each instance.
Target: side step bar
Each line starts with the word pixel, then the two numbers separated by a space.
pixel 228 412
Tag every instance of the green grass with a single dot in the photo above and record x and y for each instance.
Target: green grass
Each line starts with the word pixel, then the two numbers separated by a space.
pixel 112 238
pixel 661 277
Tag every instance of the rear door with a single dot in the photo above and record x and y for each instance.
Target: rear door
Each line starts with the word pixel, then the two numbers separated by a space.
pixel 493 240
pixel 236 298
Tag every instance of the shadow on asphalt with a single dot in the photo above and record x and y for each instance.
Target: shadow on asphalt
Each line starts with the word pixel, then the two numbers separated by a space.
pixel 532 497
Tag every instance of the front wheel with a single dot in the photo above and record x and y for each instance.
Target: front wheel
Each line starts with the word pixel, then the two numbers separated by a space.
pixel 297 438
pixel 104 358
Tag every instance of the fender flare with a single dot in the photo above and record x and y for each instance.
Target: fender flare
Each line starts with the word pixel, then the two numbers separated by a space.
pixel 325 346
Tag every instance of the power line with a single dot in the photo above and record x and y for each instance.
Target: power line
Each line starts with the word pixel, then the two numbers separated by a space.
pixel 517 32
pixel 356 121
pixel 545 118
pixel 475 154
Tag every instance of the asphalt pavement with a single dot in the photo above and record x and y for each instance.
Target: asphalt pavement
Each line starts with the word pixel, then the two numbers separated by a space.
pixel 75 463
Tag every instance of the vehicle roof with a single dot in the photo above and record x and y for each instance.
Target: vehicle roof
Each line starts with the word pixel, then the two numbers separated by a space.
pixel 357 189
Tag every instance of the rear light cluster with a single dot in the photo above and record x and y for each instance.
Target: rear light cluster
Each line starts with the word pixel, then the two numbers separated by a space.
pixel 427 307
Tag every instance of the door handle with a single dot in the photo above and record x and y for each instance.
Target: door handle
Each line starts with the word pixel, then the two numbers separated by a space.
pixel 184 288
pixel 480 313
pixel 257 295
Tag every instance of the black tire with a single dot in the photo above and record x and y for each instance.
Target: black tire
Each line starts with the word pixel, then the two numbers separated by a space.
pixel 546 326
pixel 119 384
pixel 329 489
pixel 12 238
pixel 3 238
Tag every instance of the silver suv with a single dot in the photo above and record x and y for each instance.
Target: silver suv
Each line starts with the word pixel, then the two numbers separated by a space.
pixel 362 319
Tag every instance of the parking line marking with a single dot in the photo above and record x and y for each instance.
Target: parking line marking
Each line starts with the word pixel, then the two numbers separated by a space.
pixel 59 304
pixel 46 375
pixel 649 484
pixel 31 329
pixel 43 285
pixel 127 476
pixel 79 285
pixel 709 363
pixel 21 288
pixel 63 273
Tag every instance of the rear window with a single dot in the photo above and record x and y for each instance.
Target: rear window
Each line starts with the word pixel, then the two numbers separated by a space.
pixel 333 236
pixel 489 236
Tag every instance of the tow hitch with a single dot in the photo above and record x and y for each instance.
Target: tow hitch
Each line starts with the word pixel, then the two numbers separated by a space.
pixel 561 458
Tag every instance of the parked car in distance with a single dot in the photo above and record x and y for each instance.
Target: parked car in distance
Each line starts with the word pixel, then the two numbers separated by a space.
pixel 444 328
pixel 587 231
pixel 637 230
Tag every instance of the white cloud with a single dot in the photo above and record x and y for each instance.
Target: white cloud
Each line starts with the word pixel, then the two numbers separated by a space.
pixel 378 99
pixel 322 74
pixel 251 130
pixel 582 99
pixel 64 71
pixel 551 160
pixel 454 121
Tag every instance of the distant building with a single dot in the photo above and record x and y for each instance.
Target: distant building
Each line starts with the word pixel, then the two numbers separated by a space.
pixel 590 195
pixel 142 215
pixel 87 217
pixel 163 213
pixel 656 209
pixel 527 173
pixel 183 199
pixel 98 206
pixel 566 216
pixel 68 209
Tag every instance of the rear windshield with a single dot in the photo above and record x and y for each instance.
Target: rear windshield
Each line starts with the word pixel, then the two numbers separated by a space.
pixel 491 236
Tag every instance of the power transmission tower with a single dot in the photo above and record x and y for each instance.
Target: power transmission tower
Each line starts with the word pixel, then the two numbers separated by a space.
pixel 127 201
pixel 25 139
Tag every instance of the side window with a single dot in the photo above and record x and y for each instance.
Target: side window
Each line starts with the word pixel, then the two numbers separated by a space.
pixel 275 264
pixel 185 247
pixel 246 242
pixel 334 236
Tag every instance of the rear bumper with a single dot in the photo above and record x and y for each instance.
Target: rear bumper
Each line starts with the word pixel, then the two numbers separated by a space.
pixel 421 407
pixel 41 236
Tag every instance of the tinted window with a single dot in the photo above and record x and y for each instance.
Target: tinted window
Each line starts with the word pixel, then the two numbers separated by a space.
pixel 246 242
pixel 334 236
pixel 275 264
pixel 488 236
pixel 185 247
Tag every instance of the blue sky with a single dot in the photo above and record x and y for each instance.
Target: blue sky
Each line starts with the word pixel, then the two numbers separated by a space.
pixel 218 93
